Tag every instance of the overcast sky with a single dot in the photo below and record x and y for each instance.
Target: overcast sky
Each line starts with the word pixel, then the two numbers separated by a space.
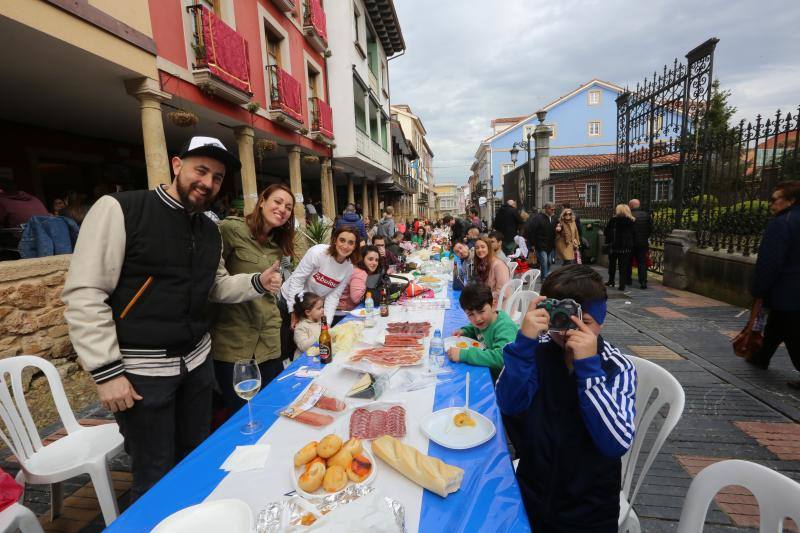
pixel 469 61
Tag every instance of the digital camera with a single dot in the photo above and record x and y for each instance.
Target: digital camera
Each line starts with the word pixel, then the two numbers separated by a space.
pixel 560 312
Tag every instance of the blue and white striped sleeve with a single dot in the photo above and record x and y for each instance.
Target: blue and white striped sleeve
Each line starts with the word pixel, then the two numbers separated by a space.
pixel 608 402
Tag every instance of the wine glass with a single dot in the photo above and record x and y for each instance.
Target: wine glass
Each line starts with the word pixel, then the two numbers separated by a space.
pixel 246 383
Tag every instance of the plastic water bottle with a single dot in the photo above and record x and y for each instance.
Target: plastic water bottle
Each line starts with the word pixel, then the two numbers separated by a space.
pixel 369 311
pixel 436 351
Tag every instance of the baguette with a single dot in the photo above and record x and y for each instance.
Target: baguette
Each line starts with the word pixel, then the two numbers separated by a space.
pixel 429 472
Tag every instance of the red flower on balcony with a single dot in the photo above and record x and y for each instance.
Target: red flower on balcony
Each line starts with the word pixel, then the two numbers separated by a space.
pixel 323 117
pixel 285 93
pixel 225 52
pixel 315 16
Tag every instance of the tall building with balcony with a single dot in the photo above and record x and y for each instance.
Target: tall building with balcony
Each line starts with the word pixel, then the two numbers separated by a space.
pixel 423 205
pixel 363 35
pixel 398 189
pixel 448 198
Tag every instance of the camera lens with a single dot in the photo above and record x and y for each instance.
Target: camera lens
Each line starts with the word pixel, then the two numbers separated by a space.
pixel 560 320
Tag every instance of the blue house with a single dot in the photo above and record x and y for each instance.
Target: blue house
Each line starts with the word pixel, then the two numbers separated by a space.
pixel 584 122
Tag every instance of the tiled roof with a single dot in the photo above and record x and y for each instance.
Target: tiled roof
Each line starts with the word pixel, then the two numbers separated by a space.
pixel 562 163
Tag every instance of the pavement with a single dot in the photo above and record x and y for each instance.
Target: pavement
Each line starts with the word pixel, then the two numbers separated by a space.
pixel 733 410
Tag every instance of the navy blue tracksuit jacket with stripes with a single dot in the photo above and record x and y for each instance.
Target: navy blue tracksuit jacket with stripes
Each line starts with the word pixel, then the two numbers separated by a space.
pixel 570 429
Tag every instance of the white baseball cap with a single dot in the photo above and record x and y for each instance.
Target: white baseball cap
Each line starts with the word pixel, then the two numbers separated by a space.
pixel 211 147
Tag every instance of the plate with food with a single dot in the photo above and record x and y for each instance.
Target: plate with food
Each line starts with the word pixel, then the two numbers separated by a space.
pixel 461 342
pixel 327 467
pixel 457 428
pixel 375 420
pixel 359 313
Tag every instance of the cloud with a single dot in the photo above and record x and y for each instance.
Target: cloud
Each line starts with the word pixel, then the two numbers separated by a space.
pixel 469 61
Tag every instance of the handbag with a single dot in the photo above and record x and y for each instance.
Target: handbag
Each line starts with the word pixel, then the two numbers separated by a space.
pixel 747 343
pixel 578 258
pixel 533 259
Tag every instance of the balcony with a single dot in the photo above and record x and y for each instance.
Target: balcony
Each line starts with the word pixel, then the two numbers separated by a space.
pixel 285 99
pixel 221 63
pixel 284 5
pixel 321 121
pixel 314 25
pixel 373 151
pixel 397 183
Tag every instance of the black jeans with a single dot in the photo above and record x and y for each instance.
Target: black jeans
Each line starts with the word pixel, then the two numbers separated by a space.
pixel 782 326
pixel 640 253
pixel 171 419
pixel 223 371
pixel 287 335
pixel 621 261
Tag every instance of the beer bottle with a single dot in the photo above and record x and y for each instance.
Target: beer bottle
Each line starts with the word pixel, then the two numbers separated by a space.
pixel 384 303
pixel 325 344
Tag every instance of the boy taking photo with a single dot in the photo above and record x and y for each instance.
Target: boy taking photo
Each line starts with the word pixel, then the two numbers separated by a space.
pixel 569 400
pixel 493 328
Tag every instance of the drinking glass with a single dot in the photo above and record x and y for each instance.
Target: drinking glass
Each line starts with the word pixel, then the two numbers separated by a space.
pixel 247 383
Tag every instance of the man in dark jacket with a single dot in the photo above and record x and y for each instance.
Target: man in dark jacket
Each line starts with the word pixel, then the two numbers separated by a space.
pixel 541 235
pixel 506 222
pixel 642 228
pixel 777 278
pixel 458 228
pixel 351 218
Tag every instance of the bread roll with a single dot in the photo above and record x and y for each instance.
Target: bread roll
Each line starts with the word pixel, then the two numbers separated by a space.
pixel 359 469
pixel 342 458
pixel 353 446
pixel 335 479
pixel 429 472
pixel 306 453
pixel 316 459
pixel 312 479
pixel 328 446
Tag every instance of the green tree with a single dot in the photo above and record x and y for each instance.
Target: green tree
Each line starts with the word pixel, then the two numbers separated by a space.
pixel 716 123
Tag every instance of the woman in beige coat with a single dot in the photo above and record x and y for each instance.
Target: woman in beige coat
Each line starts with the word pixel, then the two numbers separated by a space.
pixel 567 238
pixel 488 269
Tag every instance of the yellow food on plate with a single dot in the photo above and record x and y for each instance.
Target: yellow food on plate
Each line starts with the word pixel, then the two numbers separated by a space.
pixel 461 344
pixel 359 469
pixel 429 279
pixel 312 479
pixel 335 479
pixel 328 446
pixel 316 459
pixel 341 458
pixel 353 446
pixel 306 453
pixel 463 419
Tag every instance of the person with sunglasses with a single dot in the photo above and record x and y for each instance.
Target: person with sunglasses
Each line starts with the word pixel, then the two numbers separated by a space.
pixel 568 240
pixel 777 277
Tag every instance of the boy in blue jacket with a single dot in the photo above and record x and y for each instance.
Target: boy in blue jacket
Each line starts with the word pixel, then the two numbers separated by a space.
pixel 569 400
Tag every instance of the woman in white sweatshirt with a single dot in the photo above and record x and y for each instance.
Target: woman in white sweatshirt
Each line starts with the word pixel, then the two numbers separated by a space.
pixel 325 270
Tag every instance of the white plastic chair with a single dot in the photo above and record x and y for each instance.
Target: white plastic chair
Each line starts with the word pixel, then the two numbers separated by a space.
pixel 512 267
pixel 518 304
pixel 508 290
pixel 778 496
pixel 652 381
pixel 84 450
pixel 529 279
pixel 17 517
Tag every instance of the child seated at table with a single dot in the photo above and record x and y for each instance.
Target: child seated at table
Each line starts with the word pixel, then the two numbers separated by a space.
pixel 308 308
pixel 494 328
pixel 569 400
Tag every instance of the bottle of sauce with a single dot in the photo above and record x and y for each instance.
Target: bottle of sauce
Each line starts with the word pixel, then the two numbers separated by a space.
pixel 325 344
pixel 384 303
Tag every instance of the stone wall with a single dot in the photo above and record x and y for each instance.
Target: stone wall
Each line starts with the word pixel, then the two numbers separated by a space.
pixel 32 313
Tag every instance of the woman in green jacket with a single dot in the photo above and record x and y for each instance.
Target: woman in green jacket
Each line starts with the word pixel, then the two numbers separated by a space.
pixel 252 329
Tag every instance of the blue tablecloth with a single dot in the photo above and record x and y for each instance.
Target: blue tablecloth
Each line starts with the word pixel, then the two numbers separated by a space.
pixel 489 498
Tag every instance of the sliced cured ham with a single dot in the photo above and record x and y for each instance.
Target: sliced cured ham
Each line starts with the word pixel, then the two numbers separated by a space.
pixel 390 356
pixel 313 419
pixel 330 404
pixel 366 424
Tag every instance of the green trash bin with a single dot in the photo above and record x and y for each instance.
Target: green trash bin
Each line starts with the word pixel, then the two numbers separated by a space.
pixel 590 232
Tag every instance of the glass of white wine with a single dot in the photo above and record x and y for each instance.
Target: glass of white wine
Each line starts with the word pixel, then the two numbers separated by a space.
pixel 247 383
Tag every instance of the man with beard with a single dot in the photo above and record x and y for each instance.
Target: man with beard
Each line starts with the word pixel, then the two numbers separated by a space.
pixel 146 266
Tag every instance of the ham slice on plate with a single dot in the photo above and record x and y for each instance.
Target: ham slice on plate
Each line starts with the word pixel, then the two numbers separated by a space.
pixel 366 424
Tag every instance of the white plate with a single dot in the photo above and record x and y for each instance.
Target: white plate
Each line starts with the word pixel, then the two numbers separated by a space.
pixel 449 342
pixel 229 515
pixel 359 313
pixel 295 472
pixel 439 427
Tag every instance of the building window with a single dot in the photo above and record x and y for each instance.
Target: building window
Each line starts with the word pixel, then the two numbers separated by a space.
pixel 358 104
pixel 212 5
pixel 527 130
pixel 505 168
pixel 550 194
pixel 357 24
pixel 594 128
pixel 662 190
pixel 594 97
pixel 592 194
pixel 273 46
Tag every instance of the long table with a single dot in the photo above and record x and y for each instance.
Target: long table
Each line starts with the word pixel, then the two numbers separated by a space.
pixel 488 500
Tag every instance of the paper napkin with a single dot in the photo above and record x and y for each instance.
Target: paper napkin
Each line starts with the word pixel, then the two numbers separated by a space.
pixel 246 458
